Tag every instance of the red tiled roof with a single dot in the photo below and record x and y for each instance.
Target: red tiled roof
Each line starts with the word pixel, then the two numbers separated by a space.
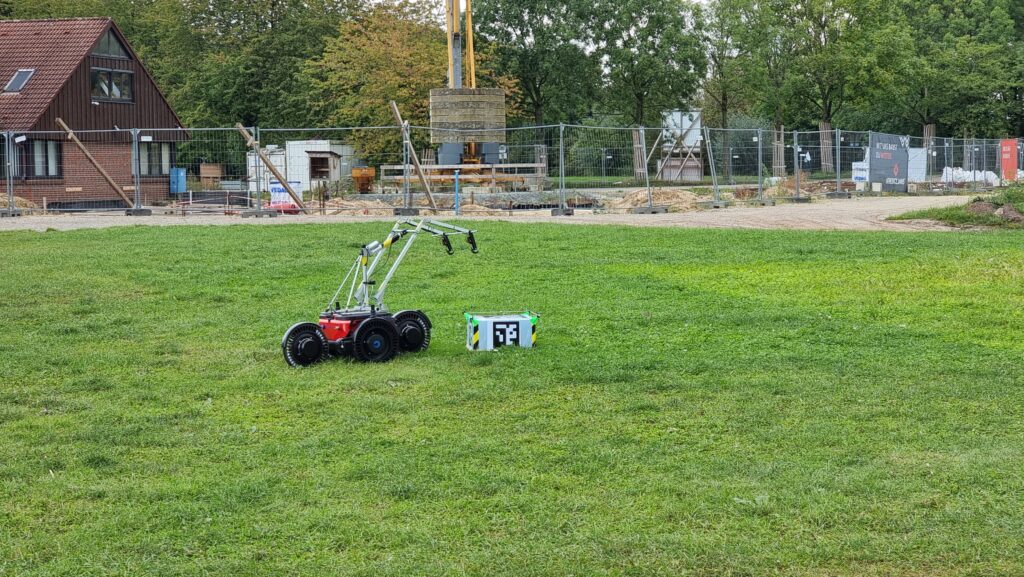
pixel 54 48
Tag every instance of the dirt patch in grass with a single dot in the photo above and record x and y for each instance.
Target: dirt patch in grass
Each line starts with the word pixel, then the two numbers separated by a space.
pixel 1001 210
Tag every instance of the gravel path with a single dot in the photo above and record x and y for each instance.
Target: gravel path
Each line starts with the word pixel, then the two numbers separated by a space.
pixel 853 214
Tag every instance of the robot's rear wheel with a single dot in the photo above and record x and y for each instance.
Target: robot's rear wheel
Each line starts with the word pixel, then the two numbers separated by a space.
pixel 375 340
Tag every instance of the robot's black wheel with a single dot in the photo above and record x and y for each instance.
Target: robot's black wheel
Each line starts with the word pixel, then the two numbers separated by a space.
pixel 304 344
pixel 413 331
pixel 375 340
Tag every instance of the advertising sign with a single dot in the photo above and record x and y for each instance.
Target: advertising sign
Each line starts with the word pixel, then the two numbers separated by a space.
pixel 1008 153
pixel 278 194
pixel 890 160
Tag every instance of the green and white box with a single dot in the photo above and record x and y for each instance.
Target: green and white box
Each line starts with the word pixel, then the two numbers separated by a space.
pixel 486 332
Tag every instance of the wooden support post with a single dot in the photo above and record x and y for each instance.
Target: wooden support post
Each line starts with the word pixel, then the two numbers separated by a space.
pixel 89 157
pixel 412 154
pixel 251 143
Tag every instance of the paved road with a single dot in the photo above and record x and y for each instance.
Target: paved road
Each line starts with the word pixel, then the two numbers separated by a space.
pixel 853 214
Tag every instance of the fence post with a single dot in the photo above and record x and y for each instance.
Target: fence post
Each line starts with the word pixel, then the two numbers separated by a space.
pixel 258 197
pixel 647 172
pixel 717 197
pixel 984 162
pixel 9 175
pixel 760 165
pixel 839 163
pixel 796 161
pixel 136 209
pixel 563 209
pixel 458 210
pixel 405 168
pixel 138 168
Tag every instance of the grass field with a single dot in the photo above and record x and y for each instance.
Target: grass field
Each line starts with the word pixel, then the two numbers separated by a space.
pixel 701 403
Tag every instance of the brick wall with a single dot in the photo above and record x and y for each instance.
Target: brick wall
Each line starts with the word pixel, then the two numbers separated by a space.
pixel 81 184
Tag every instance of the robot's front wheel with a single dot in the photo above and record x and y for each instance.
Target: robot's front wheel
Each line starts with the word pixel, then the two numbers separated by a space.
pixel 304 344
pixel 413 331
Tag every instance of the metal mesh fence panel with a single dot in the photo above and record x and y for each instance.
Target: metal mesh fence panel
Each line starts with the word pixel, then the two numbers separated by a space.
pixel 740 161
pixel 815 155
pixel 852 154
pixel 333 170
pixel 598 157
pixel 373 170
pixel 193 170
pixel 470 173
pixel 91 171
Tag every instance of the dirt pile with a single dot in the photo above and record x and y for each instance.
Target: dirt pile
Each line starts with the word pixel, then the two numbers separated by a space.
pixel 1009 213
pixel 981 207
pixel 677 200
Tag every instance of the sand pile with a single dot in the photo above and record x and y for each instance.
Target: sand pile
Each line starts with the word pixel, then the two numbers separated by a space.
pixel 477 209
pixel 369 207
pixel 25 205
pixel 677 200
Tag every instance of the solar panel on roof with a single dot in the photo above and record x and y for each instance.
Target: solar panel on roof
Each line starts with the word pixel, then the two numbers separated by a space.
pixel 19 80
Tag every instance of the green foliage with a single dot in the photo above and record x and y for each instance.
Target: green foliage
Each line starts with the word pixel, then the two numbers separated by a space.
pixel 390 51
pixel 544 46
pixel 896 66
pixel 724 403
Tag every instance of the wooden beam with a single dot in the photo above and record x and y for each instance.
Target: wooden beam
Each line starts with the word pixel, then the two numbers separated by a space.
pixel 96 165
pixel 412 154
pixel 253 144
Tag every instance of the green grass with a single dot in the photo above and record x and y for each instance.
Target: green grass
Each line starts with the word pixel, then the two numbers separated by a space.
pixel 704 403
pixel 959 216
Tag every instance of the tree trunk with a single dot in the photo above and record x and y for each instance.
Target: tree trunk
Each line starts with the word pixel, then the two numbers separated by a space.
pixel 929 145
pixel 827 140
pixel 779 151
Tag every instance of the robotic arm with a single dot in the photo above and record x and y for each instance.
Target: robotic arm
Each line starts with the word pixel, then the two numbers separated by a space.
pixel 407 230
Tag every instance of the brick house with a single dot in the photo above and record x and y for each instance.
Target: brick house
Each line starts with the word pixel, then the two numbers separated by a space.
pixel 82 71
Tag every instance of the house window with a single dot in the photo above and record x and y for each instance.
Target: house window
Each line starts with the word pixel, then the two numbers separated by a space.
pixel 155 158
pixel 19 80
pixel 110 47
pixel 39 159
pixel 112 85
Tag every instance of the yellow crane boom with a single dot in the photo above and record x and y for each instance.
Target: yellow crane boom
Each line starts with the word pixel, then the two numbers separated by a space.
pixel 453 27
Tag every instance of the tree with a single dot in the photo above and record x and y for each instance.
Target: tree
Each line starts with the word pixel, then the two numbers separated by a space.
pixel 652 56
pixel 948 63
pixel 832 48
pixel 544 45
pixel 728 57
pixel 771 41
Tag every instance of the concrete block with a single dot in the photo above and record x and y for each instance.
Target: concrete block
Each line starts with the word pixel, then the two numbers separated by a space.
pixel 407 211
pixel 138 212
pixel 257 213
pixel 562 212
pixel 8 212
pixel 649 210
